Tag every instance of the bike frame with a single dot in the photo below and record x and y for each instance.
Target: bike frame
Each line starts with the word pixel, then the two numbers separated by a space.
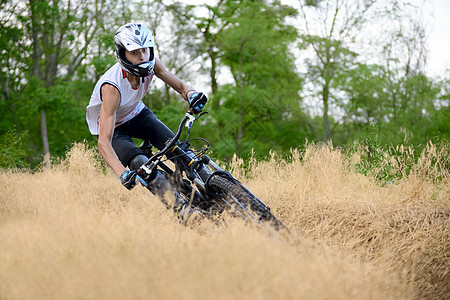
pixel 194 166
pixel 192 162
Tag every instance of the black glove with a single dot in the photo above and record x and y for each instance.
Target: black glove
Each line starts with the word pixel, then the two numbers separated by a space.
pixel 196 102
pixel 130 178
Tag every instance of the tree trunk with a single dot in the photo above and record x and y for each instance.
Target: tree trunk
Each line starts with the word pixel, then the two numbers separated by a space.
pixel 45 140
pixel 241 111
pixel 38 74
pixel 240 117
pixel 326 121
pixel 212 73
pixel 167 90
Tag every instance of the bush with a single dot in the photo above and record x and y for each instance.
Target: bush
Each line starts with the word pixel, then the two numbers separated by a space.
pixel 12 152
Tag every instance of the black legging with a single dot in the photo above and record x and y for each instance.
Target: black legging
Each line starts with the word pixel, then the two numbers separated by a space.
pixel 145 126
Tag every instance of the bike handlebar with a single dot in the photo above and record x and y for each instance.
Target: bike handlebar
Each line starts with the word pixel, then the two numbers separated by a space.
pixel 172 141
pixel 189 116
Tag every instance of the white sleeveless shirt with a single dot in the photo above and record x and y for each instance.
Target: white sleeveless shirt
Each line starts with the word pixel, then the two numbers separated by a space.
pixel 130 99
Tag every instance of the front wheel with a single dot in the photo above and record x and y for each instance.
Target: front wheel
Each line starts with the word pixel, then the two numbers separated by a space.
pixel 244 203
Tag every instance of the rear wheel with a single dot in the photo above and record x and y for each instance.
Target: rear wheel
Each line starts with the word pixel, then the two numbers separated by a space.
pixel 244 203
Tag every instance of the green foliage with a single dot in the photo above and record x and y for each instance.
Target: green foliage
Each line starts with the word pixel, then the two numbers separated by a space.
pixel 65 115
pixel 375 159
pixel 314 3
pixel 250 112
pixel 391 164
pixel 12 151
pixel 387 162
pixel 259 108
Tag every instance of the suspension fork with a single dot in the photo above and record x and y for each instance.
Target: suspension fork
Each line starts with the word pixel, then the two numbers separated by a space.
pixel 208 161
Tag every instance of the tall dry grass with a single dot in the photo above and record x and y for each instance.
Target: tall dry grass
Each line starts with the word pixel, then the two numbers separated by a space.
pixel 74 232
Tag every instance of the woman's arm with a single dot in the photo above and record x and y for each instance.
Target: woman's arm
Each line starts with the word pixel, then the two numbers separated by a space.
pixel 111 100
pixel 172 80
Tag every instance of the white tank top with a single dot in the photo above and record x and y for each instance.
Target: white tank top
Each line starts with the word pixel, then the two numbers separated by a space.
pixel 130 99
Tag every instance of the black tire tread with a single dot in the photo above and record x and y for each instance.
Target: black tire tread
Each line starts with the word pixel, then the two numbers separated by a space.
pixel 228 186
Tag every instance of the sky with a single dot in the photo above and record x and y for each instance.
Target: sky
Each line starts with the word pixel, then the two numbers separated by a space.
pixel 438 28
pixel 439 38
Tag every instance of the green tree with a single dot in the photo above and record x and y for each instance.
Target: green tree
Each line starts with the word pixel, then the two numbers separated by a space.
pixel 50 40
pixel 364 86
pixel 53 27
pixel 328 29
pixel 265 85
pixel 256 49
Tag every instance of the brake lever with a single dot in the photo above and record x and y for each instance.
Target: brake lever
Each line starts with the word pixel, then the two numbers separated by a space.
pixel 202 113
pixel 192 118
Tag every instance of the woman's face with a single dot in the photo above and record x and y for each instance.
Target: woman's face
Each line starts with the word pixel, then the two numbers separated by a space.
pixel 138 56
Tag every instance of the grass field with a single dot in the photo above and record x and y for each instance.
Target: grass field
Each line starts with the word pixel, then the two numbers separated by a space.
pixel 74 232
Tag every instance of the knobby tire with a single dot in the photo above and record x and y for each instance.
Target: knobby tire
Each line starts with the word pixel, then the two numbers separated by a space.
pixel 230 189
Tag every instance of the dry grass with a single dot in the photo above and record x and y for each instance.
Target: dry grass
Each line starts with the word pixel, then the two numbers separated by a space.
pixel 74 232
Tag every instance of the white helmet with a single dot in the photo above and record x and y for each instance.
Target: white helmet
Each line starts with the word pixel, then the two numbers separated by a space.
pixel 130 37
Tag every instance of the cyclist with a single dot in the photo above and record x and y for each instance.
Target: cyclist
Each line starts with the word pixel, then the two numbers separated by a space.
pixel 116 112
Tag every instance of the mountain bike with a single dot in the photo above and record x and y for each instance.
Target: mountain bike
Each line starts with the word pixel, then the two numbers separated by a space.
pixel 202 183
